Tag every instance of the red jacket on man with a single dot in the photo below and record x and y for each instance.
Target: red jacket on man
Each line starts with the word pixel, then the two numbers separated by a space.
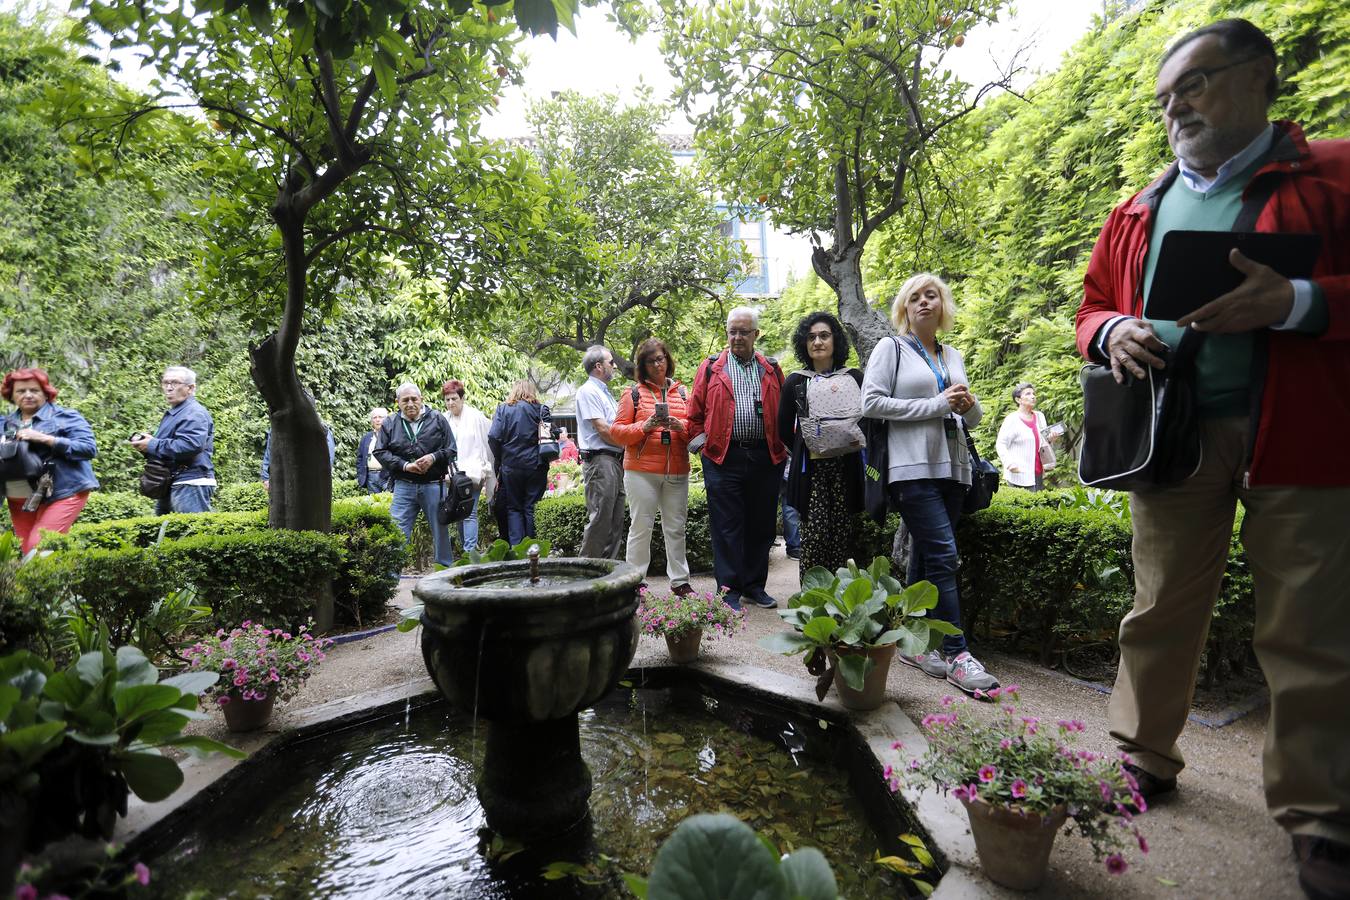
pixel 712 406
pixel 1300 383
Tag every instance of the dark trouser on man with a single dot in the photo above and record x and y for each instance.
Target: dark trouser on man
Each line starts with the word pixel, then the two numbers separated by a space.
pixel 1297 541
pixel 603 473
pixel 742 507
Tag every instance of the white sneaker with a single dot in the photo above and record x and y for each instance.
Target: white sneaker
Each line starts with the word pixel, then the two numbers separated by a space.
pixel 930 663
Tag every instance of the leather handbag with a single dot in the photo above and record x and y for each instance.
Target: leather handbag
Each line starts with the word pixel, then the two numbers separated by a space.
pixel 156 479
pixel 457 495
pixel 983 480
pixel 1145 432
pixel 18 462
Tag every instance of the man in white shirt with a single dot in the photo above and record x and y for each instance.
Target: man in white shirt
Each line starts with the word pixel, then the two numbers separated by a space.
pixel 601 459
pixel 470 428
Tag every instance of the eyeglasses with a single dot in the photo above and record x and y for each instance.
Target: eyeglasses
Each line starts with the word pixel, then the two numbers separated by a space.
pixel 1193 85
pixel 740 332
pixel 409 399
pixel 819 337
pixel 172 384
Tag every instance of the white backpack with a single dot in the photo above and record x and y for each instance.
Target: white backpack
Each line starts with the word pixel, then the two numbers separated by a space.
pixel 828 410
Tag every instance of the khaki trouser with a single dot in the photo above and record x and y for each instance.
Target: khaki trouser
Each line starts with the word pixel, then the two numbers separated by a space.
pixel 1297 541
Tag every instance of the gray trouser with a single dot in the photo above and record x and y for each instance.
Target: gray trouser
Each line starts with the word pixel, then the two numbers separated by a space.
pixel 603 473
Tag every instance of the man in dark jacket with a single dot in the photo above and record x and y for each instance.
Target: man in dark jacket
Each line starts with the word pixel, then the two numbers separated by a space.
pixel 1274 411
pixel 416 447
pixel 183 441
pixel 370 474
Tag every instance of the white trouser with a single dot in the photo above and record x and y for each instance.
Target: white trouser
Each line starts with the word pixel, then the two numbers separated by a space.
pixel 646 494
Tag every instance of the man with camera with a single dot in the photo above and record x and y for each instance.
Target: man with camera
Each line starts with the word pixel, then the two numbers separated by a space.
pixel 183 442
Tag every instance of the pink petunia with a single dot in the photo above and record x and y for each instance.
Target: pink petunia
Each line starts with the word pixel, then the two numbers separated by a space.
pixel 1019 788
pixel 968 794
pixel 1143 844
pixel 897 745
pixel 1116 865
pixel 25 892
pixel 988 774
pixel 1005 744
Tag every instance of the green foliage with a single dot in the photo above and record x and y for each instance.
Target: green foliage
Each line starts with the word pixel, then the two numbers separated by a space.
pixel 74 742
pixel 711 856
pixel 104 506
pixel 563 521
pixel 113 590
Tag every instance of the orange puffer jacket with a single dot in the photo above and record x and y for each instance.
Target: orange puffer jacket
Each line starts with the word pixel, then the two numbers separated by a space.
pixel 645 452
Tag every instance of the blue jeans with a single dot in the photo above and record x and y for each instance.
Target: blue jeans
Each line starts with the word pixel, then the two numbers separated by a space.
pixel 792 528
pixel 186 498
pixel 408 499
pixel 468 528
pixel 931 508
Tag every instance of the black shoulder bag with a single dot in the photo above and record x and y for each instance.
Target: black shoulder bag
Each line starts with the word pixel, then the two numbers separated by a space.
pixel 457 495
pixel 1145 432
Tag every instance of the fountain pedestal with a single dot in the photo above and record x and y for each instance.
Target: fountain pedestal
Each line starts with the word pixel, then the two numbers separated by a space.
pixel 526 659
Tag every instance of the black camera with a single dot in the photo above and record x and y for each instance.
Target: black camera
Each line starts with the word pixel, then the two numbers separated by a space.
pixel 138 436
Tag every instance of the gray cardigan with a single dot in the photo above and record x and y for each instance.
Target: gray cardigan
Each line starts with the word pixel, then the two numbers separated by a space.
pixel 909 397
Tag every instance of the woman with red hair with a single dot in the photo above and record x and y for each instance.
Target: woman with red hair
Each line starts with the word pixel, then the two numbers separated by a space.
pixel 61 439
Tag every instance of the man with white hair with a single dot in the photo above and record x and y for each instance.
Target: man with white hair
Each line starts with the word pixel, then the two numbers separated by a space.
pixel 601 458
pixel 370 474
pixel 184 442
pixel 416 447
pixel 734 407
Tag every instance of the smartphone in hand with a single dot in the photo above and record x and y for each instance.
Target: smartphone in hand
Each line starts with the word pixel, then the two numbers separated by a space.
pixel 662 411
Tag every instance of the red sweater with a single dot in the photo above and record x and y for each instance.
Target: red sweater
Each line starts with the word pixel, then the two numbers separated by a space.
pixel 1302 383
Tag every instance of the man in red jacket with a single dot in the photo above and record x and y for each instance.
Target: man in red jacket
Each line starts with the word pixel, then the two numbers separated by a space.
pixel 734 406
pixel 1273 378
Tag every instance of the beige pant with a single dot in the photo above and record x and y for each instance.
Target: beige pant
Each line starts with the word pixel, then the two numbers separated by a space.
pixel 1297 541
pixel 648 493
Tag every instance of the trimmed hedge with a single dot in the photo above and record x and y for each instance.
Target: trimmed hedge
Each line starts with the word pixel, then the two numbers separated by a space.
pixel 562 522
pixel 251 496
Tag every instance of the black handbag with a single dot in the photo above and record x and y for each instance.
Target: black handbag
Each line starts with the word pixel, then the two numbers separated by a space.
pixel 1145 432
pixel 156 479
pixel 877 459
pixel 457 496
pixel 983 480
pixel 18 462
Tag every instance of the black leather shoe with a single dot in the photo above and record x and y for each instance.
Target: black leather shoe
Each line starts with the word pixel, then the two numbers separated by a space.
pixel 1150 785
pixel 1323 867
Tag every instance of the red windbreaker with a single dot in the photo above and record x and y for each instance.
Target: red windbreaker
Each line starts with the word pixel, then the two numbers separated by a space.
pixel 1300 383
pixel 712 406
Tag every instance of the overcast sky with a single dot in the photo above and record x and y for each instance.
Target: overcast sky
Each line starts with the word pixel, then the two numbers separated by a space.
pixel 601 59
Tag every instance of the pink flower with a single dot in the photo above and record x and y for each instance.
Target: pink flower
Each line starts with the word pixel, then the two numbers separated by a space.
pixel 1137 800
pixel 1116 865
pixel 25 892
pixel 988 774
pixel 968 794
pixel 222 699
pixel 948 700
pixel 1019 788
pixel 1005 744
pixel 1143 844
pixel 142 873
pixel 1071 725
pixel 241 679
pixel 1107 791
pixel 896 745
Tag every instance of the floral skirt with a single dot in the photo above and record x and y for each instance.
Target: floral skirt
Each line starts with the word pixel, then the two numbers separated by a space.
pixel 828 528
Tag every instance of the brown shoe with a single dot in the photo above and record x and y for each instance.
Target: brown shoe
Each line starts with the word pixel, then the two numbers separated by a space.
pixel 683 590
pixel 1148 785
pixel 1323 867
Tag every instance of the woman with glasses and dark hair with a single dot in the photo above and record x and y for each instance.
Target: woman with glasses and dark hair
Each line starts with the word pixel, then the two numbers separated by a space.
pixel 818 419
pixel 47 476
pixel 652 424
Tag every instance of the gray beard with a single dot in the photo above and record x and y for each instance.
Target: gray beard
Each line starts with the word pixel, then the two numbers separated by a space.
pixel 1210 147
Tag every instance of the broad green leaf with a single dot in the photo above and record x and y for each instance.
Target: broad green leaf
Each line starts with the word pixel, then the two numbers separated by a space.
pixel 150 776
pixel 192 682
pixel 785 642
pixel 818 577
pixel 920 595
pixel 89 668
pixel 137 700
pixel 880 568
pixel 819 630
pixel 636 884
pixel 31 742
pixel 809 876
pixel 715 857
pixel 202 745
pixel 95 738
pixel 853 668
pixel 858 591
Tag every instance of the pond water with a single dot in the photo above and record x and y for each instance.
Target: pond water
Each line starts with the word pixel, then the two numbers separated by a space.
pixel 389 809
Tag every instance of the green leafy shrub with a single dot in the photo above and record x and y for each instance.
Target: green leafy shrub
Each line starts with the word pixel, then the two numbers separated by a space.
pixel 243 496
pixel 116 589
pixel 23 615
pixel 106 505
pixel 563 521
pixel 143 531
pixel 266 575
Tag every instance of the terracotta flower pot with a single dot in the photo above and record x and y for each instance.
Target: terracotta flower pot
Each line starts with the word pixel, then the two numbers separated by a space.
pixel 247 715
pixel 874 683
pixel 684 647
pixel 1014 848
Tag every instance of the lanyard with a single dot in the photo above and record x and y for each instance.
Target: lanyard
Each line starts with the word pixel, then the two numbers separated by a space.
pixel 412 433
pixel 940 369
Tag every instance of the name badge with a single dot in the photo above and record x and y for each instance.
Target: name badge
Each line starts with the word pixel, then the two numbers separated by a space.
pixel 759 408
pixel 949 426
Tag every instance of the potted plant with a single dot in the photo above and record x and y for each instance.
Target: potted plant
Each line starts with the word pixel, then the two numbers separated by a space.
pixel 1019 779
pixel 257 665
pixel 850 624
pixel 684 621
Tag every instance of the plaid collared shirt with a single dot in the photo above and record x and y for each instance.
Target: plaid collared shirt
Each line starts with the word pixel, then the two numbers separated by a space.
pixel 748 425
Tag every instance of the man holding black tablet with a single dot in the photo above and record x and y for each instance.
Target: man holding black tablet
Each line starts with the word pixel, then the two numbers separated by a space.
pixel 1273 385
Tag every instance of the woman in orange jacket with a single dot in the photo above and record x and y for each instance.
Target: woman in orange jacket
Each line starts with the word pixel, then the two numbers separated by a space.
pixel 653 425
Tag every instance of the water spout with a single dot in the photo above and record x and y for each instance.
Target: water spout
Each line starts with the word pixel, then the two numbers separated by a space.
pixel 533 554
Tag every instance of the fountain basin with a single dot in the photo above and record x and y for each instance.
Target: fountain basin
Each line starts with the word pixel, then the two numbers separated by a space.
pixel 526 656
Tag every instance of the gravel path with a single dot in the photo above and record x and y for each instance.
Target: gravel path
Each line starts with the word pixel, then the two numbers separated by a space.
pixel 1211 839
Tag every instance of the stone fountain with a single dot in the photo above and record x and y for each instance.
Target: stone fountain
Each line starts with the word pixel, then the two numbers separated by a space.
pixel 524 646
